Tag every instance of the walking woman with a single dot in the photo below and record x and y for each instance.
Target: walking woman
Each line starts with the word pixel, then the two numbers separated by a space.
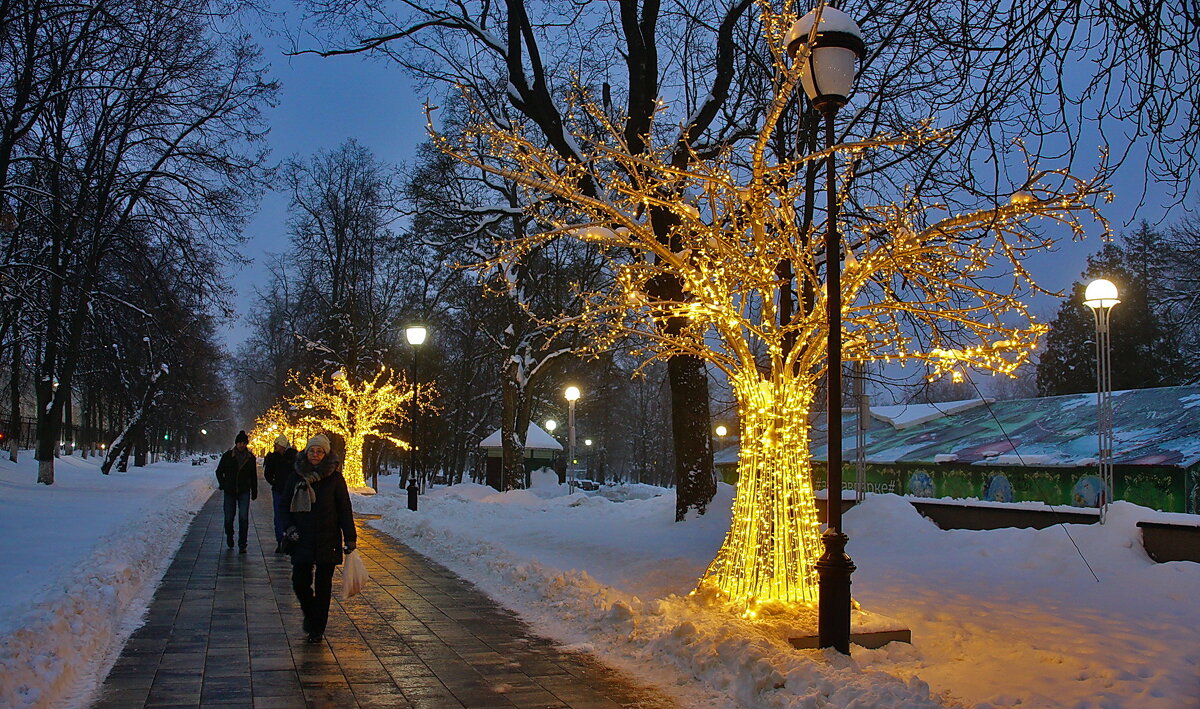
pixel 319 523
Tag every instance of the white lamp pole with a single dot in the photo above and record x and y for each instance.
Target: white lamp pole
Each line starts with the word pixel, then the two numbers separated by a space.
pixel 1101 296
pixel 415 334
pixel 572 395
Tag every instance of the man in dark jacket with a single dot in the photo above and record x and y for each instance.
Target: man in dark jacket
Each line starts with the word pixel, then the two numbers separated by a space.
pixel 237 477
pixel 320 525
pixel 277 468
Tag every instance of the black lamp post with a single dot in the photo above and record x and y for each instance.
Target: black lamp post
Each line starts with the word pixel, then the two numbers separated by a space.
pixel 571 394
pixel 415 334
pixel 829 42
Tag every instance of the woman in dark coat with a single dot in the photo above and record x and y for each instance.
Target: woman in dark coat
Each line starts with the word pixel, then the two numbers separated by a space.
pixel 320 524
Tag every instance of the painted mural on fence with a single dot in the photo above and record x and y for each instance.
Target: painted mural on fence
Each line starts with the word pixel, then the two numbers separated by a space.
pixel 1156 487
pixel 1032 449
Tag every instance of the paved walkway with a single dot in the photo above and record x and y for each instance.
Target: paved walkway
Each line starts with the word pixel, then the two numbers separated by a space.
pixel 224 629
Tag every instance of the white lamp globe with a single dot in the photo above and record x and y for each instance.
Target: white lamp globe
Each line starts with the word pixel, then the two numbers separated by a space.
pixel 571 393
pixel 828 73
pixel 1101 293
pixel 415 334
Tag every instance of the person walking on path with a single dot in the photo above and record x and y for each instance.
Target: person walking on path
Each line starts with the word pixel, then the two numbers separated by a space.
pixel 237 477
pixel 277 468
pixel 320 526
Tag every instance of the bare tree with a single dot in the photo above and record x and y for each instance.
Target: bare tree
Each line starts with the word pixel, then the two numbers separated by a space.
pixel 143 138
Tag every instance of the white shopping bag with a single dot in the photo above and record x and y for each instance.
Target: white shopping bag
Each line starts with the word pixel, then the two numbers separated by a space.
pixel 354 575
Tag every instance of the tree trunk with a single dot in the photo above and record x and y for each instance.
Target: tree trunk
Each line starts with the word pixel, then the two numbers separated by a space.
pixel 695 480
pixel 68 438
pixel 14 410
pixel 134 433
pixel 771 557
pixel 122 444
pixel 353 464
pixel 512 439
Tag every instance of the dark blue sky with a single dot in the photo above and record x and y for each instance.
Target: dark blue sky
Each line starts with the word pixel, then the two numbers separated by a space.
pixel 324 101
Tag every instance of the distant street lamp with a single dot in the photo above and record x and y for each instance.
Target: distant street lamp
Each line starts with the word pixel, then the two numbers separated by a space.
pixel 1101 296
pixel 721 431
pixel 571 394
pixel 834 44
pixel 415 334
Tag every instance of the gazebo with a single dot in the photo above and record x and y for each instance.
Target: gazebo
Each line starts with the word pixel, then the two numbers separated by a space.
pixel 540 447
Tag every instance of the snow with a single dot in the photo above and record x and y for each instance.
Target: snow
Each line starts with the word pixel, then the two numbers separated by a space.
pixel 902 416
pixel 1001 618
pixel 535 439
pixel 80 561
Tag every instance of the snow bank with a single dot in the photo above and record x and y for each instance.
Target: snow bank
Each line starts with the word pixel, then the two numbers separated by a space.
pixel 541 556
pixel 83 557
pixel 999 618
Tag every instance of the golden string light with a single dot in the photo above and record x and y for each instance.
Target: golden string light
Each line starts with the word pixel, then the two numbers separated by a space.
pixel 356 410
pixel 915 289
pixel 269 426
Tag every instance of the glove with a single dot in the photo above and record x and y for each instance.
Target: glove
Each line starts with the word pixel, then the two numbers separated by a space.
pixel 292 534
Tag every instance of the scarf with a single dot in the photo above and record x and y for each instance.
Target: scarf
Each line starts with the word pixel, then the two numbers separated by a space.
pixel 305 495
pixel 240 456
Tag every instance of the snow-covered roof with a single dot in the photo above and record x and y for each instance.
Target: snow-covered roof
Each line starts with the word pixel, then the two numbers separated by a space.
pixel 535 439
pixel 902 416
pixel 1159 426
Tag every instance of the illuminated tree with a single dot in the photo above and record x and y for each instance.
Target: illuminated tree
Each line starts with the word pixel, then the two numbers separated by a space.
pixel 355 410
pixel 274 422
pixel 942 290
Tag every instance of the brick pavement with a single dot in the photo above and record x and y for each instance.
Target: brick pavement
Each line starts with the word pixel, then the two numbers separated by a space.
pixel 224 629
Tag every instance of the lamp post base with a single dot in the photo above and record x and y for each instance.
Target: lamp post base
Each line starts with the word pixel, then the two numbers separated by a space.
pixel 833 571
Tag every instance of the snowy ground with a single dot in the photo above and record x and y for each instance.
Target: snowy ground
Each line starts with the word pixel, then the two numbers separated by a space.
pixel 80 560
pixel 999 618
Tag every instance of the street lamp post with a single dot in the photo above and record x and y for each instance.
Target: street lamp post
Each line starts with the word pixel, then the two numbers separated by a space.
pixel 1101 296
pixel 833 42
pixel 415 334
pixel 587 461
pixel 571 394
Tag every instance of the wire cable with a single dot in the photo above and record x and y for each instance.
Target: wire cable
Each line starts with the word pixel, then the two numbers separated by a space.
pixel 1013 446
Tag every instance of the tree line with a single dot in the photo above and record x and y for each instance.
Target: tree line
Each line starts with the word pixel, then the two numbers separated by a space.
pixel 128 161
pixel 128 156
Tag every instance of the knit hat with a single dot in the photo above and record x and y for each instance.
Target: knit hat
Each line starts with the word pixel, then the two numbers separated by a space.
pixel 318 441
pixel 282 440
pixel 241 438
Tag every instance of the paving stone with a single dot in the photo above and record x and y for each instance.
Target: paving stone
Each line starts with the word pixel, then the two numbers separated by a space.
pixel 224 630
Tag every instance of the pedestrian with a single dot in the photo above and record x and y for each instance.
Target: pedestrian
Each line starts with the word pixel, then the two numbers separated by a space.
pixel 277 468
pixel 237 477
pixel 320 526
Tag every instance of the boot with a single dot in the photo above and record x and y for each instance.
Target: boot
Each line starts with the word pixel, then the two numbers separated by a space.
pixel 228 541
pixel 279 548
